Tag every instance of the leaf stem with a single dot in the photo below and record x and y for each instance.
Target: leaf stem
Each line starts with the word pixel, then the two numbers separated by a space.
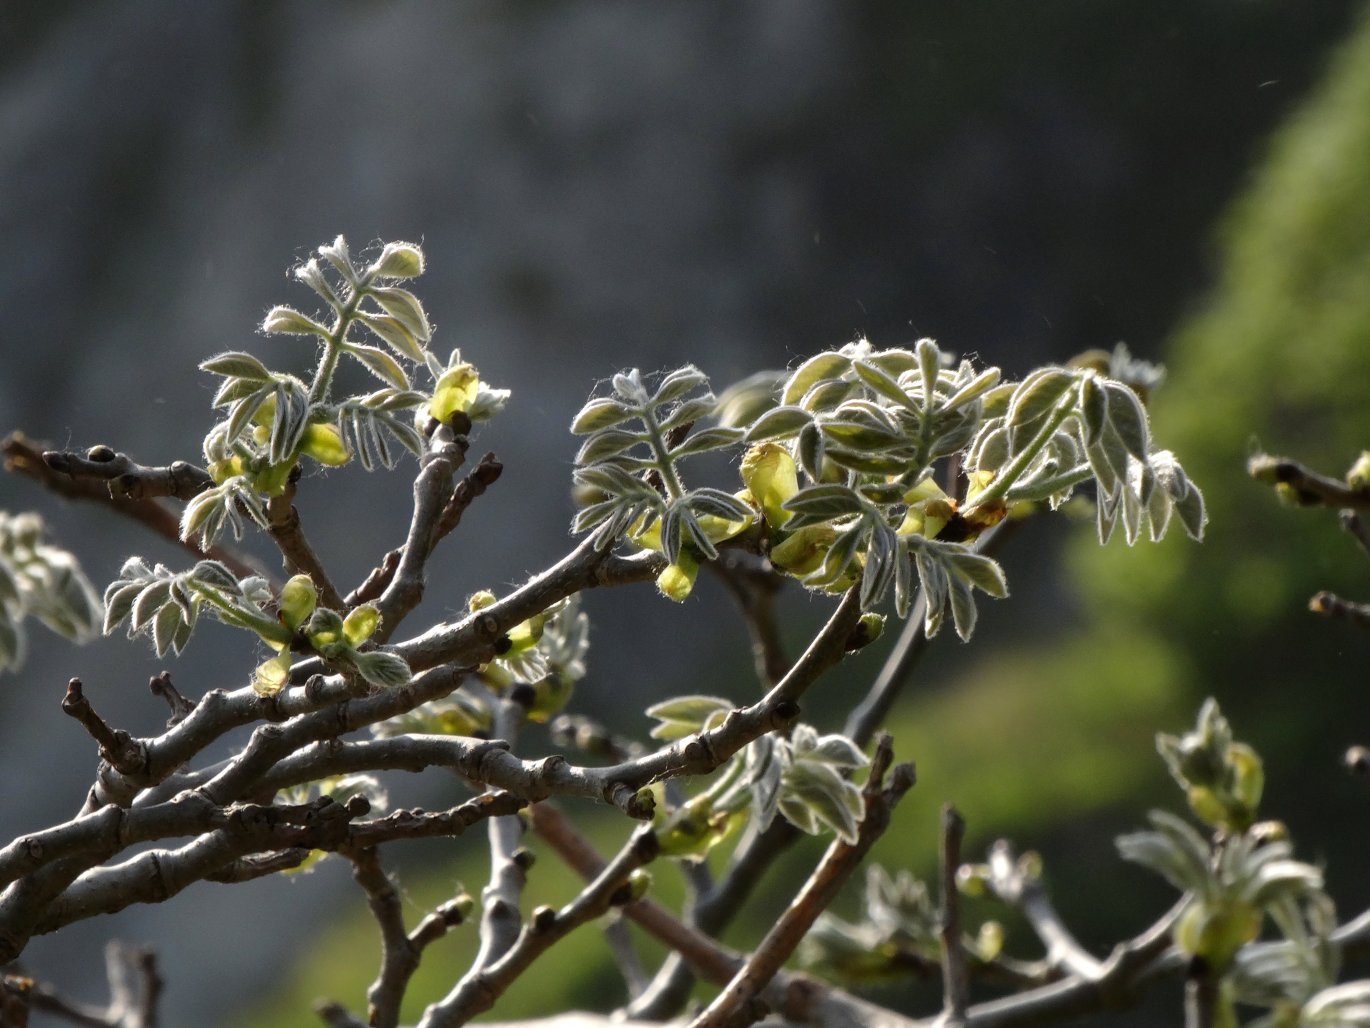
pixel 1005 480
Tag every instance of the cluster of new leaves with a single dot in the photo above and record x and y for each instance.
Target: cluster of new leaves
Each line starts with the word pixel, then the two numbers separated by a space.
pixel 840 471
pixel 273 419
pixel 41 581
pixel 806 778
pixel 545 656
pixel 166 605
pixel 1235 881
pixel 637 439
pixel 898 932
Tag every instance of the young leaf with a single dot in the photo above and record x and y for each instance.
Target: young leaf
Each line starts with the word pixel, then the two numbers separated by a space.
pixel 603 412
pixel 236 364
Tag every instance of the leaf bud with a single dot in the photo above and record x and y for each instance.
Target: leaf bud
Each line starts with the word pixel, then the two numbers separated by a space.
pixel 325 632
pixel 1358 477
pixel 455 392
pixel 989 941
pixel 868 629
pixel 324 443
pixel 299 596
pixel 480 600
pixel 973 880
pixel 802 552
pixel 639 882
pixel 770 475
pixel 525 635
pixel 398 260
pixel 1216 929
pixel 272 675
pixel 550 695
pixel 464 903
pixel 288 321
pixel 1248 777
pixel 361 624
pixel 677 580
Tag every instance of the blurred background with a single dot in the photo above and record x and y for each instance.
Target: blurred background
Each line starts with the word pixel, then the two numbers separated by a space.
pixel 600 185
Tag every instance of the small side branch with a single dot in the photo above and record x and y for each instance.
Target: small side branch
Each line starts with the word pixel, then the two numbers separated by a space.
pixel 23 458
pixel 283 525
pixel 478 991
pixel 1304 486
pixel 124 753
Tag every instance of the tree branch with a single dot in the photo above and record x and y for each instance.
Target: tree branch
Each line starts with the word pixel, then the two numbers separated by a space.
pixel 955 981
pixel 23 458
pixel 733 1007
pixel 478 990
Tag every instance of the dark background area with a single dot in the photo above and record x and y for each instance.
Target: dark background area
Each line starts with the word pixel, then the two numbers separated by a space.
pixel 596 186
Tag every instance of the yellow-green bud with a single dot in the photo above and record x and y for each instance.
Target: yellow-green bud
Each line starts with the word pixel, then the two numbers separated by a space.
pixel 770 474
pixel 325 632
pixel 324 443
pixel 456 391
pixel 525 635
pixel 973 880
pixel 678 579
pixel 1358 477
pixel 638 883
pixel 398 260
pixel 464 904
pixel 550 696
pixel 803 551
pixel 1248 777
pixel 989 941
pixel 361 624
pixel 480 600
pixel 271 676
pixel 1217 929
pixel 299 596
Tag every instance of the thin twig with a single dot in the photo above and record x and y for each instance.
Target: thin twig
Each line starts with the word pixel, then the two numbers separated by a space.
pixel 283 525
pixel 754 585
pixel 432 490
pixel 480 478
pixel 1013 884
pixel 955 980
pixel 1334 606
pixel 500 920
pixel 23 458
pixel 797 997
pixel 1306 487
pixel 478 990
pixel 116 746
pixel 400 951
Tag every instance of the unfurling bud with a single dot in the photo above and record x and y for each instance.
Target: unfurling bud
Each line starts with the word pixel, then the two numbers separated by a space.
pixel 770 475
pixel 361 624
pixel 455 392
pixel 325 633
pixel 288 321
pixel 1215 929
pixel 398 260
pixel 1358 477
pixel 271 676
pixel 803 552
pixel 324 443
pixel 299 596
pixel 678 579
